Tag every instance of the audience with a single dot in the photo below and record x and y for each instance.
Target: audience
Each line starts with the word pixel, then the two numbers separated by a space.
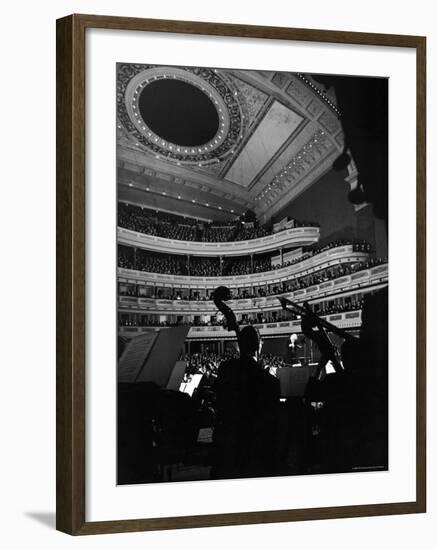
pixel 207 363
pixel 212 267
pixel 205 267
pixel 172 226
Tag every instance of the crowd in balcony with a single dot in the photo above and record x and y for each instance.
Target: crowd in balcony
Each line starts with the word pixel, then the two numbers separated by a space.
pixel 213 267
pixel 352 305
pixel 321 276
pixel 245 266
pixel 151 262
pixel 215 234
pixel 285 287
pixel 172 226
pixel 358 245
pixel 322 309
pixel 329 273
pixel 198 266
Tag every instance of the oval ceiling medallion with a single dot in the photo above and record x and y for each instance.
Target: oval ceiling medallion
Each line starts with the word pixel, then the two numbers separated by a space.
pixel 179 112
pixel 187 115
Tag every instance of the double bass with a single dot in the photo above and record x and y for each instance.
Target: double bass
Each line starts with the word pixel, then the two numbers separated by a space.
pixel 219 296
pixel 247 399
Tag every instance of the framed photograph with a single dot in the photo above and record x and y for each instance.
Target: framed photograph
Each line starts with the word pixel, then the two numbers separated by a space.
pixel 240 274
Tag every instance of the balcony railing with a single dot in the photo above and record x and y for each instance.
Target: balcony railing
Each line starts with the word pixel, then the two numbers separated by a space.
pixel 298 236
pixel 346 320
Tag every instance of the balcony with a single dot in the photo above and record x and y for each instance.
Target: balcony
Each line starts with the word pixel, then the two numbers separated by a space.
pixel 325 259
pixel 374 277
pixel 295 237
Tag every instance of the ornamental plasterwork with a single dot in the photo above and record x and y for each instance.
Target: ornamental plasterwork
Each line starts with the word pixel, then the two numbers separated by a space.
pixel 308 156
pixel 239 105
pixel 251 98
pixel 330 122
pixel 132 78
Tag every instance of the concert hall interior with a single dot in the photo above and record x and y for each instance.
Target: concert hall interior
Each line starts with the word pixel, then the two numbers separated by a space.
pixel 252 276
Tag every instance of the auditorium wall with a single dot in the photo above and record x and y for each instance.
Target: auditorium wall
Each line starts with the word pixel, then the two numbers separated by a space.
pixel 326 202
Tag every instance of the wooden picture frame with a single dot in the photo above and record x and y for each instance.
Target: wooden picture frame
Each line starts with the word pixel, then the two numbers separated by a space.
pixel 71 252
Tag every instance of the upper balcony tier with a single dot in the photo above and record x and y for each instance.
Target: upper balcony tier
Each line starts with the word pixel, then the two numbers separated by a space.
pixel 288 238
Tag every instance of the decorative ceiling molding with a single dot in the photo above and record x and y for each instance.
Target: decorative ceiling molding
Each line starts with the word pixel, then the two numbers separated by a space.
pixel 252 98
pixel 160 194
pixel 145 163
pixel 132 79
pixel 307 157
pixel 262 112
pixel 245 99
pixel 275 130
pixel 278 200
pixel 327 96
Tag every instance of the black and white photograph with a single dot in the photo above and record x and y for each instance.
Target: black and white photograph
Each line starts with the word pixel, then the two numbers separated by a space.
pixel 218 291
pixel 252 273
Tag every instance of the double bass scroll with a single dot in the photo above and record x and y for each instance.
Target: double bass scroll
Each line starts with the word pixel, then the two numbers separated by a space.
pixel 220 295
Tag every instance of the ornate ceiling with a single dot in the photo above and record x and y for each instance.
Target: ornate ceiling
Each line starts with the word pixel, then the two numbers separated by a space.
pixel 213 142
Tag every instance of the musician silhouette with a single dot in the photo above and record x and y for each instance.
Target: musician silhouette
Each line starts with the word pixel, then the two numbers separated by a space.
pixel 247 404
pixel 356 398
